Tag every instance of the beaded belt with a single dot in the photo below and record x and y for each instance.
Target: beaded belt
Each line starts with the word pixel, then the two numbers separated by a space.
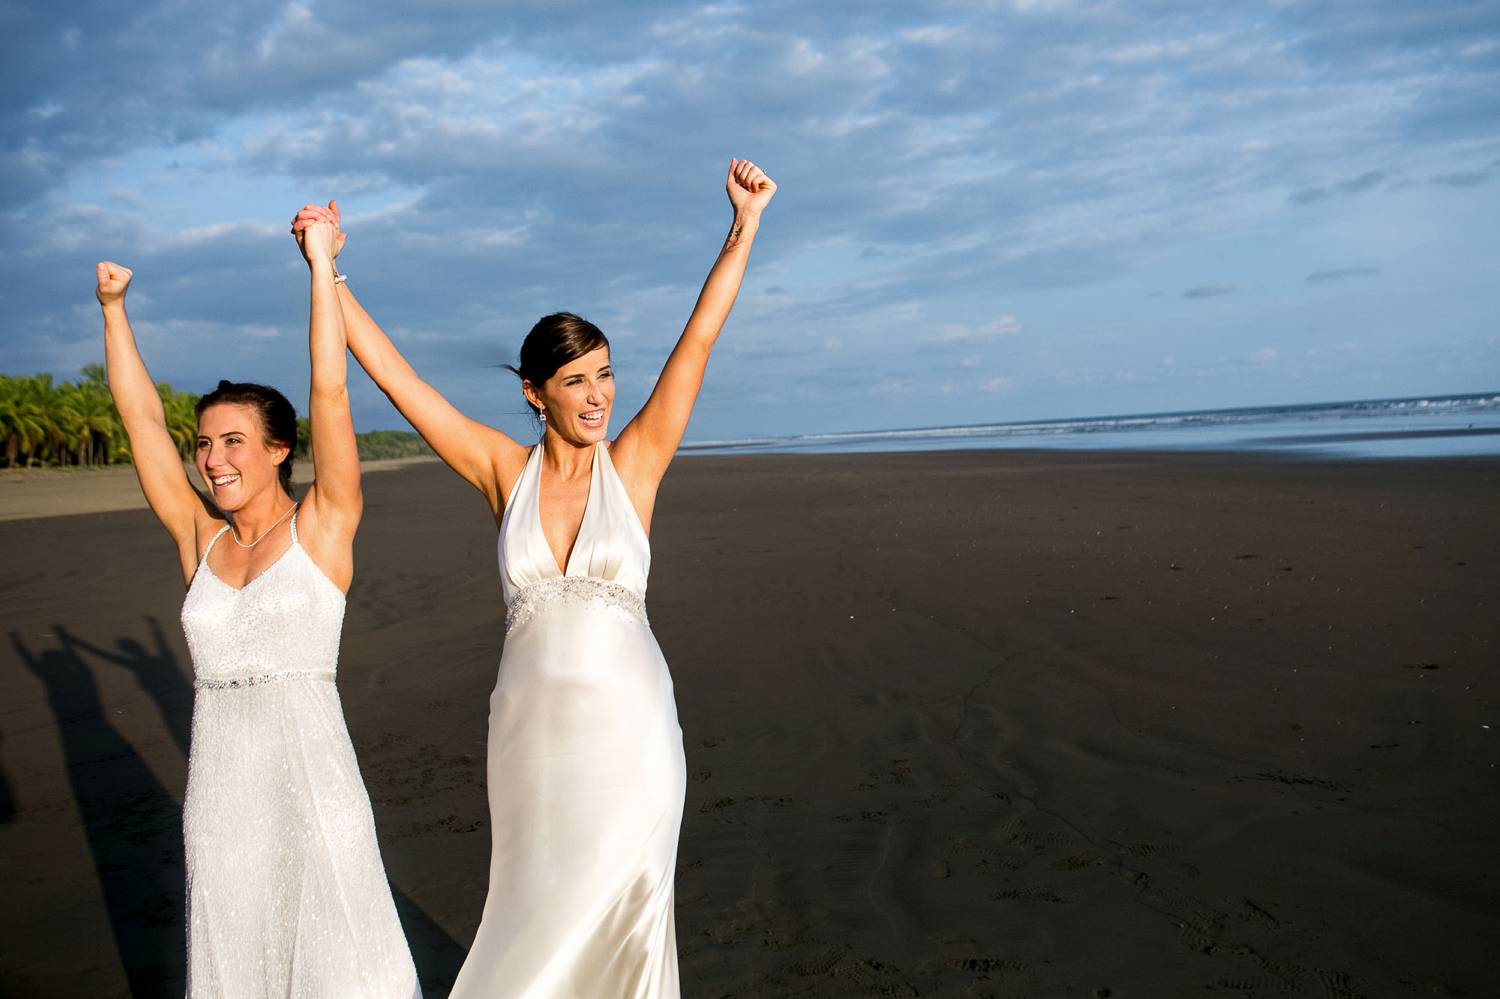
pixel 575 591
pixel 235 682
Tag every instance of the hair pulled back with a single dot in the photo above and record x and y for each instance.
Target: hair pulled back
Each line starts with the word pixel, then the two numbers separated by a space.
pixel 554 341
pixel 278 418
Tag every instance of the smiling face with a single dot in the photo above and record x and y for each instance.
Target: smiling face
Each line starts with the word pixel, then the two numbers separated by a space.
pixel 233 456
pixel 577 398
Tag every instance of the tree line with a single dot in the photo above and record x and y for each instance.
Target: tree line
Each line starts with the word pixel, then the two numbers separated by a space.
pixel 49 423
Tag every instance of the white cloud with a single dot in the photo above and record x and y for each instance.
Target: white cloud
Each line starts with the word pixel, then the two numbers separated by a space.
pixel 187 331
pixel 937 35
pixel 1159 51
pixel 295 19
pixel 218 232
pixel 957 333
pixel 893 387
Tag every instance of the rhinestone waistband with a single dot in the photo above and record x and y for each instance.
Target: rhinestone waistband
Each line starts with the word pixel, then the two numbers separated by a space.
pixel 255 680
pixel 575 591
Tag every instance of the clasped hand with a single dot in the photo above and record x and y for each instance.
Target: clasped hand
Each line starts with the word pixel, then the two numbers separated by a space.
pixel 318 233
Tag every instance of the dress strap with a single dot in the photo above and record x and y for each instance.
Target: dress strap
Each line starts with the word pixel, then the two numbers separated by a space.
pixel 211 542
pixel 295 507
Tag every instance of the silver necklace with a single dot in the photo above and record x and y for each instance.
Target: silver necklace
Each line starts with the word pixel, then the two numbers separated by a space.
pixel 263 534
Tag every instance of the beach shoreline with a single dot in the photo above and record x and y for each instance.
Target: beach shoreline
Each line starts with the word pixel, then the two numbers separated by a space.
pixel 961 723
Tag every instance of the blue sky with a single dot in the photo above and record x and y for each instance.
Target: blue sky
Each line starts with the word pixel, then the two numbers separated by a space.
pixel 988 211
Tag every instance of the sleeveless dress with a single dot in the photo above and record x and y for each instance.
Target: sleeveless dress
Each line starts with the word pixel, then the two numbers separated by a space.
pixel 586 770
pixel 285 889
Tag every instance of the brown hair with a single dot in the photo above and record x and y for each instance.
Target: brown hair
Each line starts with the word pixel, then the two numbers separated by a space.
pixel 556 340
pixel 278 418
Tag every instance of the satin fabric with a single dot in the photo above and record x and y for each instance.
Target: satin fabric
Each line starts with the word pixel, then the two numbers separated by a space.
pixel 585 766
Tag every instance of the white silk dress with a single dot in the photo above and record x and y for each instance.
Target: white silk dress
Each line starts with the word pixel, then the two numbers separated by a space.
pixel 586 770
pixel 286 893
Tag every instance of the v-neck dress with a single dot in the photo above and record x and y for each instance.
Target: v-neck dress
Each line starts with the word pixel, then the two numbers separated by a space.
pixel 286 892
pixel 585 765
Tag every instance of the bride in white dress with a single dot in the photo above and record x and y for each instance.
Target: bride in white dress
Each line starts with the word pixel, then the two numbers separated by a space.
pixel 286 892
pixel 585 764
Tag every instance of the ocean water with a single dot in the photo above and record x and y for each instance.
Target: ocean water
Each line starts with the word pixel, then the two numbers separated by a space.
pixel 1424 427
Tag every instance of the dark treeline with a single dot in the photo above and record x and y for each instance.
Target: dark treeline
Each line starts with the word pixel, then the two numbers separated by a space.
pixel 44 422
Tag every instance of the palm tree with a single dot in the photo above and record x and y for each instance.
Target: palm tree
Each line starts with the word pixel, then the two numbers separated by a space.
pixel 180 409
pixel 36 405
pixel 91 420
pixel 67 433
pixel 20 427
pixel 42 422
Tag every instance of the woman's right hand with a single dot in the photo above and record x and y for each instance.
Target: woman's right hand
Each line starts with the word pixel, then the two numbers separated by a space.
pixel 316 215
pixel 319 241
pixel 113 280
pixel 750 190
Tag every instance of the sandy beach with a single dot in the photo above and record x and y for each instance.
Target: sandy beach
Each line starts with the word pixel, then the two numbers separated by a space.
pixel 957 724
pixel 31 493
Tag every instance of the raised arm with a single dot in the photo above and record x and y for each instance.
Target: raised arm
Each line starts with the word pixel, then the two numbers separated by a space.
pixel 335 498
pixel 157 463
pixel 646 446
pixel 479 454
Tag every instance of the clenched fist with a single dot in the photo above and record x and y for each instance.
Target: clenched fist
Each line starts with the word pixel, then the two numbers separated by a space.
pixel 113 280
pixel 750 190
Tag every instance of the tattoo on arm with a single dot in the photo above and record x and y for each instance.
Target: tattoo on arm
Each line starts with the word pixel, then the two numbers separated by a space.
pixel 734 235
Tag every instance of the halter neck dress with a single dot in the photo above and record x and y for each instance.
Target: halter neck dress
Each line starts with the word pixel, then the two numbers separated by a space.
pixel 585 764
pixel 286 892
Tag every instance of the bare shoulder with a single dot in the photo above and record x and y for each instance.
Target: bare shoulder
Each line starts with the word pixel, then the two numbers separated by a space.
pixel 640 478
pixel 620 457
pixel 508 459
pixel 326 533
pixel 634 466
pixel 318 518
pixel 619 452
pixel 207 522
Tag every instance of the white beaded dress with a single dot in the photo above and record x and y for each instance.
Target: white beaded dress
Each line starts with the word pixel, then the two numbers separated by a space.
pixel 585 765
pixel 286 892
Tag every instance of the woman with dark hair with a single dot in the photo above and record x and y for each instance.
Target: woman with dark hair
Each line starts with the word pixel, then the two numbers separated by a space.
pixel 286 892
pixel 585 765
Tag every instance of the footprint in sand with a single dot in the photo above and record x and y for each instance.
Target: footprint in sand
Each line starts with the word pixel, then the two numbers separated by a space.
pixel 1032 894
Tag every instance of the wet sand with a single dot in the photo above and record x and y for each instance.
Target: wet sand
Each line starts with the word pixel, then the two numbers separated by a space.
pixel 960 724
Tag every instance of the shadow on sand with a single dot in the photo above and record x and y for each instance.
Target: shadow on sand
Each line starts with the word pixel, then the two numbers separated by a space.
pixel 134 826
pixel 7 793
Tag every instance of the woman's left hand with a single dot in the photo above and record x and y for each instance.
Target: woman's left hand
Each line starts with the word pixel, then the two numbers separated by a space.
pixel 317 232
pixel 750 190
